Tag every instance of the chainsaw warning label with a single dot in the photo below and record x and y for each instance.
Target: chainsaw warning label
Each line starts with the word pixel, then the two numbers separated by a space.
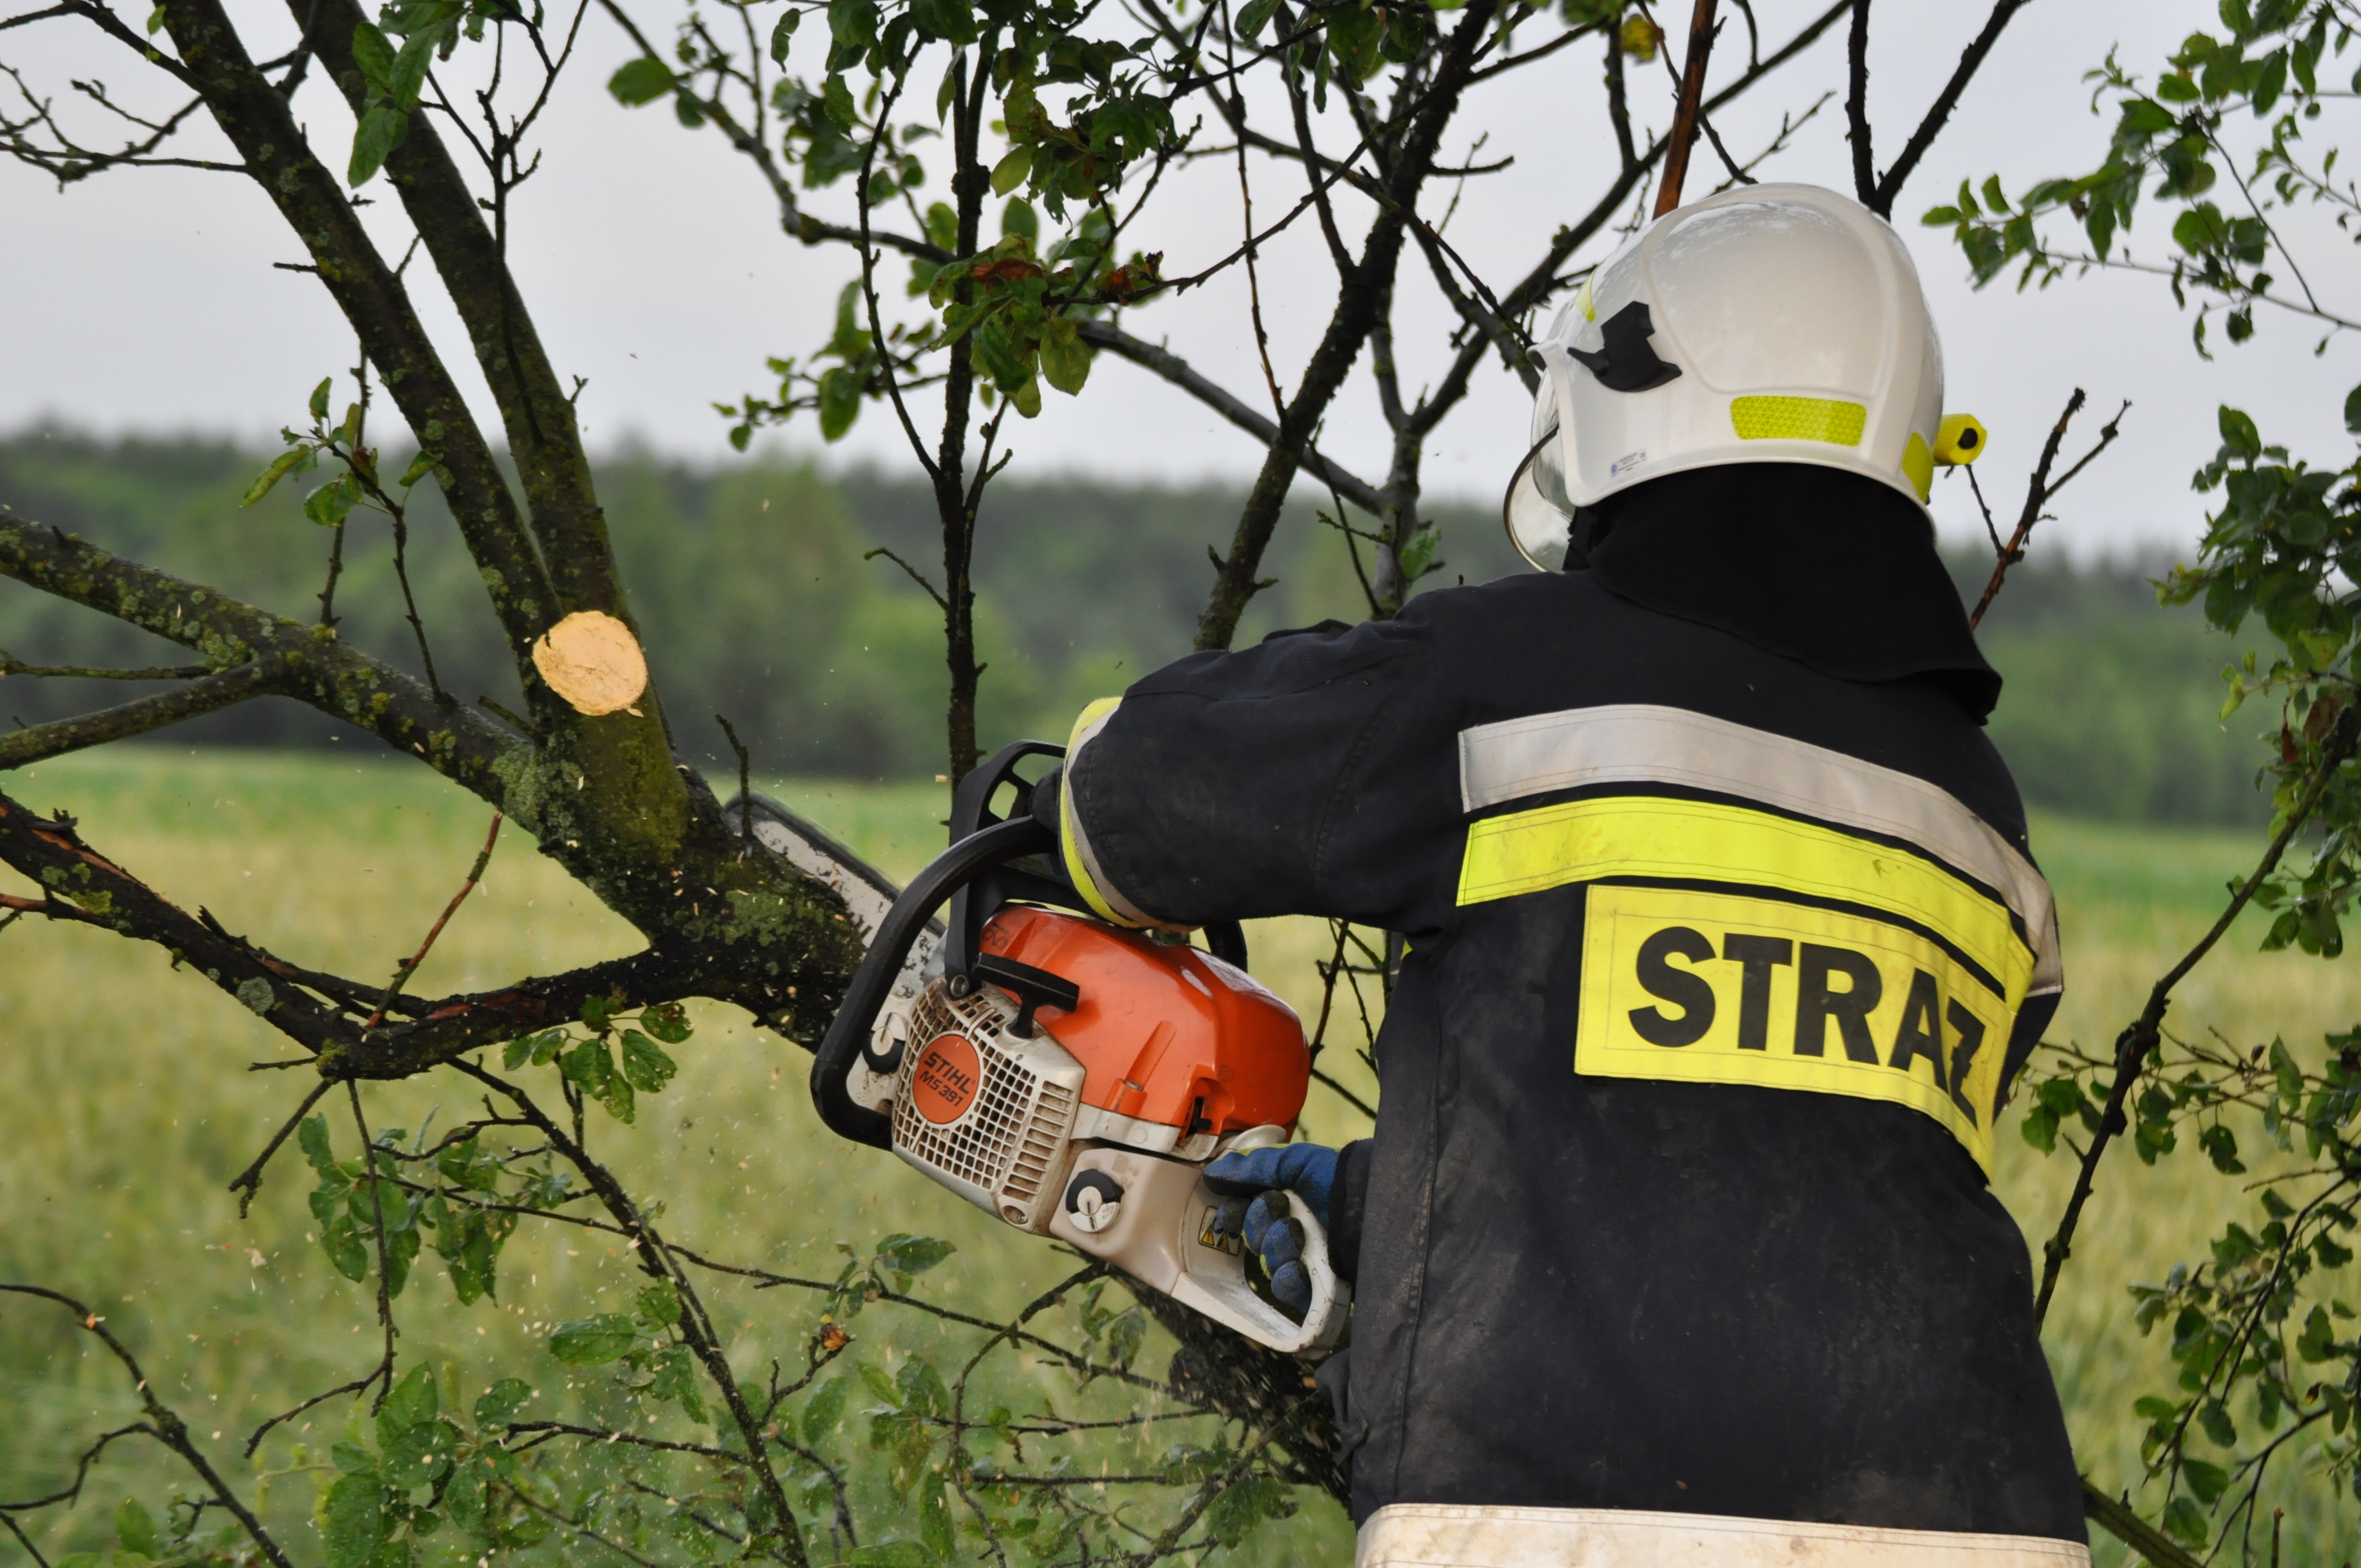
pixel 1715 988
pixel 945 1077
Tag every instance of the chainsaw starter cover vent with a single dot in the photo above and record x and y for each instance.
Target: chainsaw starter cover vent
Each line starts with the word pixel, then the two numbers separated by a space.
pixel 1006 1150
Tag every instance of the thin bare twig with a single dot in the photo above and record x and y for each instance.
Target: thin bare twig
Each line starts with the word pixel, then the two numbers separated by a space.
pixel 409 966
pixel 2037 493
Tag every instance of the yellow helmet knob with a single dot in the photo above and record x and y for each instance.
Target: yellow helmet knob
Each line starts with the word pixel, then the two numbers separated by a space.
pixel 1958 439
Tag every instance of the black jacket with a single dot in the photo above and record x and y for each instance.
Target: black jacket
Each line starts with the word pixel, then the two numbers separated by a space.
pixel 1704 1269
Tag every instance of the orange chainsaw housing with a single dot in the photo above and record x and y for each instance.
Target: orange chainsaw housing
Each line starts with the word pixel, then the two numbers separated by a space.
pixel 1167 1035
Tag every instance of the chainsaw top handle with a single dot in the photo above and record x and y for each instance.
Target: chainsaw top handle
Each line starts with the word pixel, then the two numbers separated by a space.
pixel 873 980
pixel 992 862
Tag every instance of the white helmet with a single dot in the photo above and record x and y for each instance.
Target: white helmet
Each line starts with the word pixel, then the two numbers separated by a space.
pixel 1779 323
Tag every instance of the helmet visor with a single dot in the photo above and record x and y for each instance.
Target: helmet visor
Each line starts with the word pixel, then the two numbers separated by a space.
pixel 1536 511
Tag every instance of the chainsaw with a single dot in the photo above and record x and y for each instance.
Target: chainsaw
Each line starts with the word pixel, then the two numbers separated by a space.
pixel 1069 1076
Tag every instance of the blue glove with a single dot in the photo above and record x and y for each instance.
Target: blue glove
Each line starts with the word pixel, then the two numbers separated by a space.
pixel 1253 1181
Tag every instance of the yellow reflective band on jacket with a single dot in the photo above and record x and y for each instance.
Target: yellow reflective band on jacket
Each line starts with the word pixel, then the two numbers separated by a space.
pixel 1074 845
pixel 1721 988
pixel 1649 836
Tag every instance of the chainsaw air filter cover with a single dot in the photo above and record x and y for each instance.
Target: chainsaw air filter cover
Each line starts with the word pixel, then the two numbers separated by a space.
pixel 1168 1051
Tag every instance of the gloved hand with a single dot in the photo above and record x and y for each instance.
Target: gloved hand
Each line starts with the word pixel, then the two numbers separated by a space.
pixel 1254 1182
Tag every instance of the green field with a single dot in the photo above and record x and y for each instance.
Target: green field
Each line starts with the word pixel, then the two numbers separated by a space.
pixel 130 1105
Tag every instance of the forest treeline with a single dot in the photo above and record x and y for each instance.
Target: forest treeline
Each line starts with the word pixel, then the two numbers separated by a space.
pixel 757 603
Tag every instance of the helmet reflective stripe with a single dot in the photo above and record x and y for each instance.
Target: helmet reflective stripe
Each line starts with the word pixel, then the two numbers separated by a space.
pixel 1794 318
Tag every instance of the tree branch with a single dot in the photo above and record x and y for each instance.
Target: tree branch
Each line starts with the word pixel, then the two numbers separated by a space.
pixel 1177 370
pixel 318 668
pixel 260 123
pixel 1971 60
pixel 207 694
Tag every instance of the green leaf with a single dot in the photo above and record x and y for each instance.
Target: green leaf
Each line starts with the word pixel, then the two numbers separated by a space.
pixel 2208 1481
pixel 410 67
pixel 421 1456
pixel 641 80
pixel 320 400
pixel 2239 434
pixel 420 466
pixel 1421 550
pixel 352 1521
pixel 1011 171
pixel 659 1306
pixel 645 1065
pixel 2221 1145
pixel 499 1404
pixel 313 1136
pixel 411 1402
pixel 333 502
pixel 286 464
pixel 342 1240
pixel 381 132
pixel 2289 1076
pixel 589 1067
pixel 1125 1336
pixel 2352 411
pixel 781 31
pixel 2184 1521
pixel 1253 16
pixel 2215 1419
pixel 836 101
pixel 135 1529
pixel 594 1342
pixel 2040 1129
pixel 935 1518
pixel 675 1379
pixel 951 20
pixel 373 54
pixel 825 1409
pixel 1065 357
pixel 912 1254
pixel 839 402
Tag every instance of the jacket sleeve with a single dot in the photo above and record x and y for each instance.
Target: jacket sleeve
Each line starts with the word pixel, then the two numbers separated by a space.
pixel 1312 774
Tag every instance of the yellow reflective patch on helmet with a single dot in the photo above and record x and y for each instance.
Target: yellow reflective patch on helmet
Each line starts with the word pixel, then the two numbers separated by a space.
pixel 1798 419
pixel 1918 465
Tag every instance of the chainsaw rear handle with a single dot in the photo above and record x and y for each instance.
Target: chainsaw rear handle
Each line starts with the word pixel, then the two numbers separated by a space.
pixel 873 980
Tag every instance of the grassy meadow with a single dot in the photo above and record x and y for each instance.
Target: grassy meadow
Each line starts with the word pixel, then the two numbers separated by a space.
pixel 128 1105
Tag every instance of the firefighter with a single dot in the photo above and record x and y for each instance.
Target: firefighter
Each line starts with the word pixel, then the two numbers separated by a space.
pixel 1674 1243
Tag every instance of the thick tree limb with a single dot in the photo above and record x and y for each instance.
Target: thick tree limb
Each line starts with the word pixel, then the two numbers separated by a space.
pixel 91 889
pixel 254 116
pixel 1177 370
pixel 535 410
pixel 314 667
pixel 207 694
pixel 50 853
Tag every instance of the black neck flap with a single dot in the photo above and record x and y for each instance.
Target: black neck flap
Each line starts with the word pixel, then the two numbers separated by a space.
pixel 1822 566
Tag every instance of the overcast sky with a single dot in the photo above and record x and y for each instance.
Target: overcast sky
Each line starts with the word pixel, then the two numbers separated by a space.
pixel 146 299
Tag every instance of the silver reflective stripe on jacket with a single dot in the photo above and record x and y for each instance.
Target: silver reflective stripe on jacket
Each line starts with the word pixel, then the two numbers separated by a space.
pixel 1643 743
pixel 1421 1535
